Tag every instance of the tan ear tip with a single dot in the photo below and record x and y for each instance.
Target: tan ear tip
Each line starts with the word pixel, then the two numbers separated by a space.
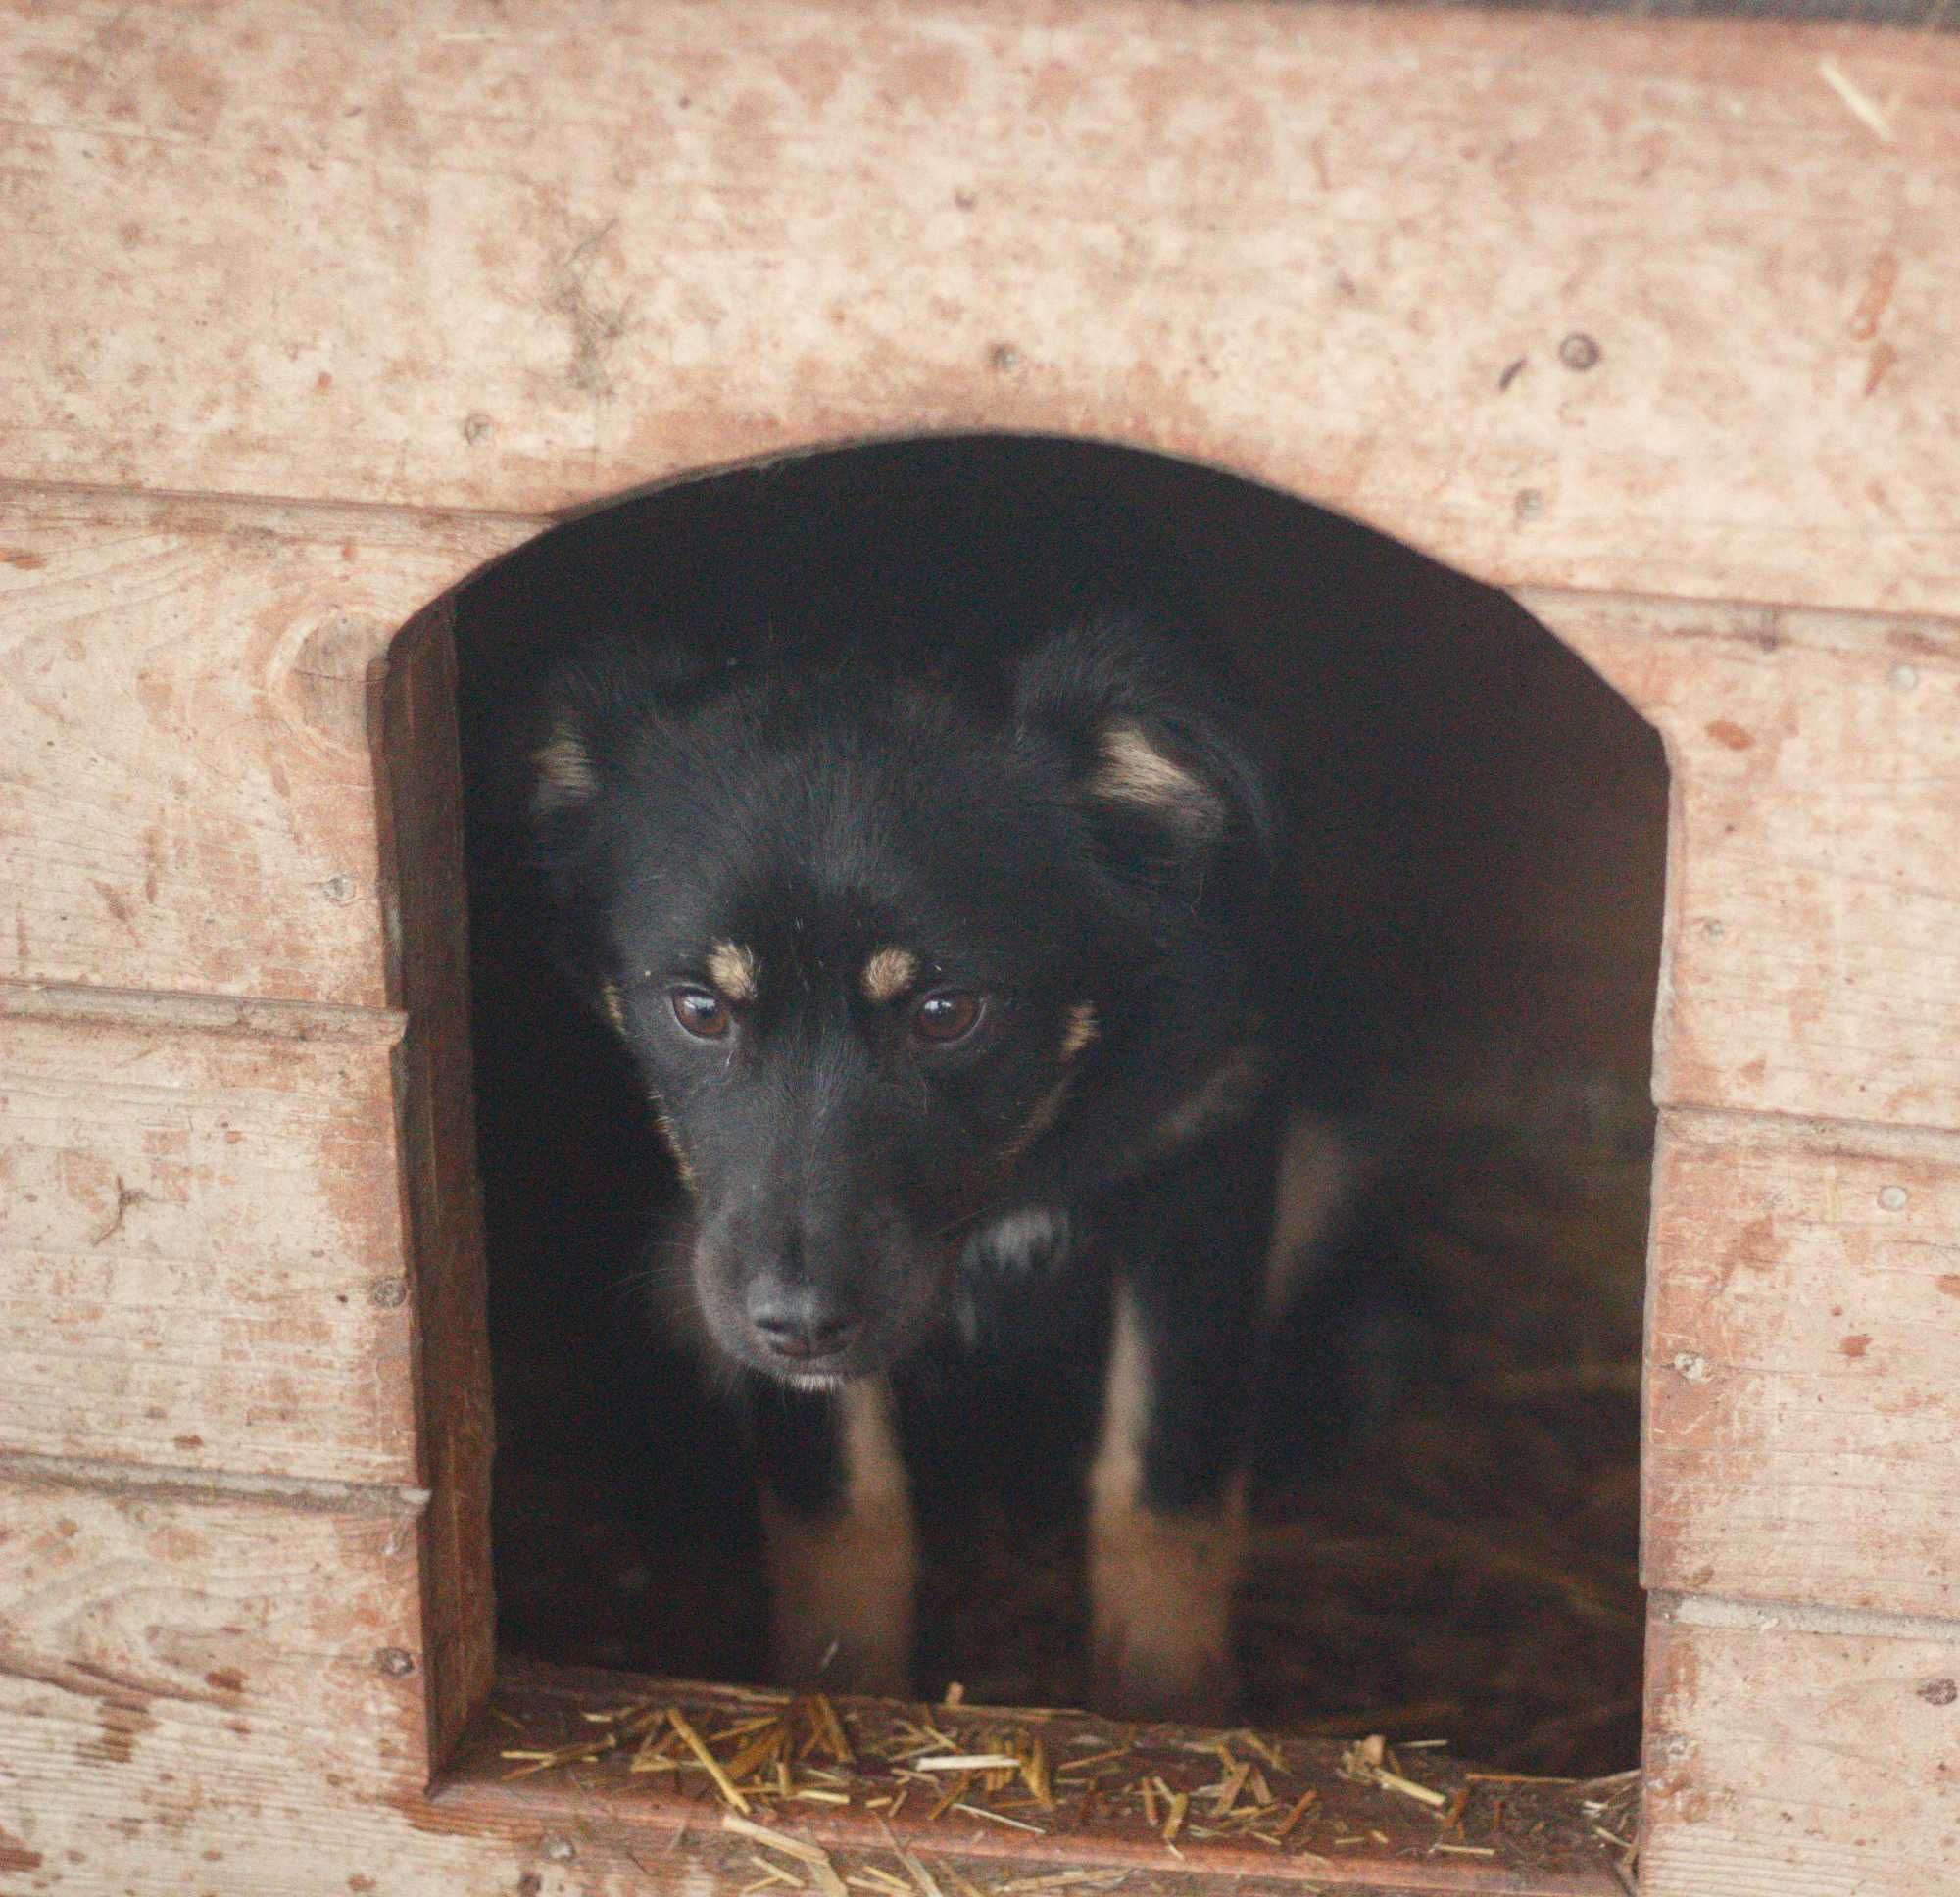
pixel 1135 770
pixel 566 775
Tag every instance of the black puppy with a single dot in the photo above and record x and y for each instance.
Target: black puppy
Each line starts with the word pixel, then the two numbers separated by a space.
pixel 949 968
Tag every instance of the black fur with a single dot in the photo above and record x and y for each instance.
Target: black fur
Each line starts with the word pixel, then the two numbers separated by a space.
pixel 1076 828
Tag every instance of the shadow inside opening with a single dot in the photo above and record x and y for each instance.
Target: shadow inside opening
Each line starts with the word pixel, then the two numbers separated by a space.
pixel 1445 1469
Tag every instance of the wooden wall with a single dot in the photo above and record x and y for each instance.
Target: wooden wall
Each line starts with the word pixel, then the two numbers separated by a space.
pixel 304 313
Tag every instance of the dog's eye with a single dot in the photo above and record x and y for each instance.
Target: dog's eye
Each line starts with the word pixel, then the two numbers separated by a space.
pixel 947 1016
pixel 702 1012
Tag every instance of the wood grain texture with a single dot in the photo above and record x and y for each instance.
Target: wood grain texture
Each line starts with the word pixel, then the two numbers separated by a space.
pixel 1602 304
pixel 1804 1322
pixel 202 1261
pixel 1811 961
pixel 163 1656
pixel 186 790
pixel 201 1692
pixel 1788 1763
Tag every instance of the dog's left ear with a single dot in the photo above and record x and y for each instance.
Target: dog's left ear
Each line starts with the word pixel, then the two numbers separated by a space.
pixel 1163 766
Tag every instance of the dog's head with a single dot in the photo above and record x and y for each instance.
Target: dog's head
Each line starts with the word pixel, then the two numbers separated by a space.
pixel 871 939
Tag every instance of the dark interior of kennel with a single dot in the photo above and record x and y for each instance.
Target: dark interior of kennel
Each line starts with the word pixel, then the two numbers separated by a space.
pixel 1448 1466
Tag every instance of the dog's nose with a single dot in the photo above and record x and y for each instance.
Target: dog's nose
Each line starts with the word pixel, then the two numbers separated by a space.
pixel 801 1321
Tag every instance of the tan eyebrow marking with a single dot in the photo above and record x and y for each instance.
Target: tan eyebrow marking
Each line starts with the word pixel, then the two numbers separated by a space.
pixel 888 974
pixel 616 1009
pixel 732 969
pixel 1080 1029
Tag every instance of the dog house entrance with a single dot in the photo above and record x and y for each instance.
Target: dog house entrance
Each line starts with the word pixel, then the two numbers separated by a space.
pixel 1446 1465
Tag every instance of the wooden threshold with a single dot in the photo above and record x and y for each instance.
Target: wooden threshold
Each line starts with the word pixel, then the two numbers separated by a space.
pixel 868 1796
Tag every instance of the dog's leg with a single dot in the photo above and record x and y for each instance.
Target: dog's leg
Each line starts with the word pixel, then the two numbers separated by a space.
pixel 1166 1516
pixel 1161 1572
pixel 837 1523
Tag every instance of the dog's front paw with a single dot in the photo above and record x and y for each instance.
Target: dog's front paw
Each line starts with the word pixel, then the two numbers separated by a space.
pixel 841 1606
pixel 1149 1671
pixel 1161 1612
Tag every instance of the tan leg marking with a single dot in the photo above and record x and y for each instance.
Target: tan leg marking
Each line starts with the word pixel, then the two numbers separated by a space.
pixel 843 1587
pixel 888 974
pixel 732 969
pixel 1160 1584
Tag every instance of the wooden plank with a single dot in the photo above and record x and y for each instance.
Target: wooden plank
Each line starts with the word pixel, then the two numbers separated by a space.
pixel 221 1693
pixel 422 842
pixel 1804 1322
pixel 1811 961
pixel 1785 1761
pixel 1353 1831
pixel 219 1690
pixel 186 795
pixel 160 1647
pixel 1673 314
pixel 201 1247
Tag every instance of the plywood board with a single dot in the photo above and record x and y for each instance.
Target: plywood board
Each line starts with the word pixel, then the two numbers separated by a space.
pixel 1784 1760
pixel 1604 304
pixel 1811 961
pixel 1801 1406
pixel 202 1257
pixel 186 790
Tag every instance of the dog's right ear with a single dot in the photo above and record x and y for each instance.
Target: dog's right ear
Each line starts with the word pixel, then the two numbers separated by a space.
pixel 572 753
pixel 565 774
pixel 598 717
pixel 578 743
